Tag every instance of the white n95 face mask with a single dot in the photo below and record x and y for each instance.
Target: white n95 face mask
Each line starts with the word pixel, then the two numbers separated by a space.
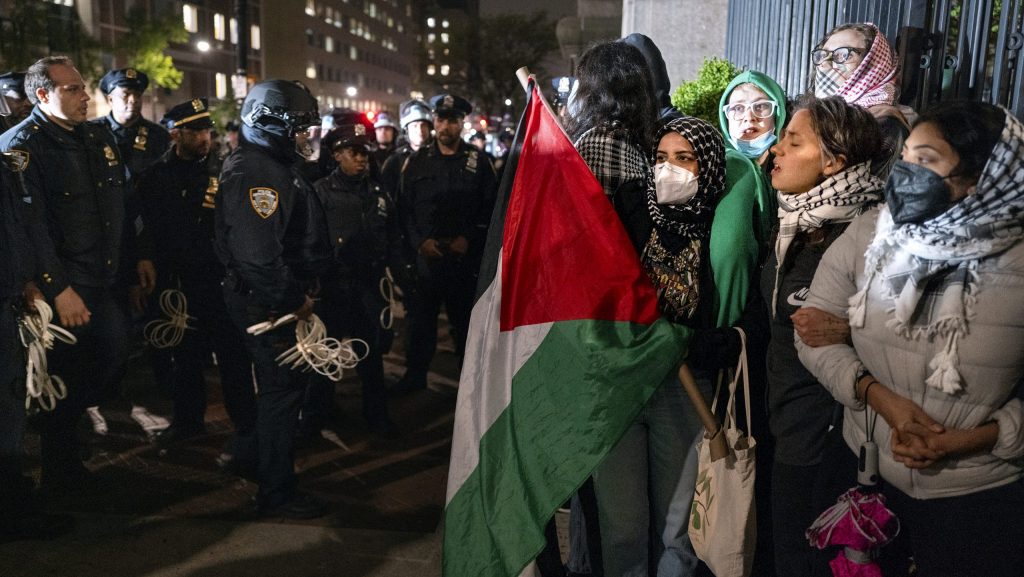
pixel 674 185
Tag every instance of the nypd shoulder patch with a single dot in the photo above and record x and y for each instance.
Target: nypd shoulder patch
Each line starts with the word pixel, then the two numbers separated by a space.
pixel 16 160
pixel 264 201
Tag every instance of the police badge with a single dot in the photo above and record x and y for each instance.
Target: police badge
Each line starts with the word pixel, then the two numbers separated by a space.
pixel 209 199
pixel 264 201
pixel 108 153
pixel 140 138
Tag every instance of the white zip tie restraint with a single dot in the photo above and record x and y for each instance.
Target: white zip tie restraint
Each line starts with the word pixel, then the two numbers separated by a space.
pixel 387 290
pixel 167 333
pixel 37 335
pixel 313 349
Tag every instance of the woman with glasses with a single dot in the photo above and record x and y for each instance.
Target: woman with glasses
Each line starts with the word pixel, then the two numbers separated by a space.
pixel 857 63
pixel 822 174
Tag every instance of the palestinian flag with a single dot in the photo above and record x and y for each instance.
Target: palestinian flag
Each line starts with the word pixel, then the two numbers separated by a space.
pixel 565 347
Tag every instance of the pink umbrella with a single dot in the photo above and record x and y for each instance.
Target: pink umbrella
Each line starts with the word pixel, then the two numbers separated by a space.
pixel 860 522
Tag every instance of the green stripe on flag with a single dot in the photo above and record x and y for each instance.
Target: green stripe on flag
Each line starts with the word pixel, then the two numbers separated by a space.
pixel 570 403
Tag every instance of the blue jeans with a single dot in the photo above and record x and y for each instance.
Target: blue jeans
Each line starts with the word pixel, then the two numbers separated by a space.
pixel 645 487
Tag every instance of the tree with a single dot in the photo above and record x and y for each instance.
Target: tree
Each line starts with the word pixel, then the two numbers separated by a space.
pixel 34 29
pixel 145 42
pixel 507 43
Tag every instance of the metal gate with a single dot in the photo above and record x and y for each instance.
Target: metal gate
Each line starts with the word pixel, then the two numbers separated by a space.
pixel 949 49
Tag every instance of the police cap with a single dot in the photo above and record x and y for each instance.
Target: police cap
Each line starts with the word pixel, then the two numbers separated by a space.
pixel 127 77
pixel 384 120
pixel 13 82
pixel 450 106
pixel 351 130
pixel 414 110
pixel 193 114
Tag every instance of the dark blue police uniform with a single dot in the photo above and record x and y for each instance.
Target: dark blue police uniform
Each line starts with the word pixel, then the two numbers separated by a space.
pixel 142 143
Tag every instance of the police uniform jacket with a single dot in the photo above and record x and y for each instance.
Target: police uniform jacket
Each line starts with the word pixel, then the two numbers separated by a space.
pixel 14 243
pixel 444 197
pixel 140 144
pixel 391 171
pixel 178 198
pixel 270 229
pixel 361 223
pixel 76 183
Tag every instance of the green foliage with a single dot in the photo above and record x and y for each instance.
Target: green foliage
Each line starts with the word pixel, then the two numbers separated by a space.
pixel 700 97
pixel 145 42
pixel 225 110
pixel 34 29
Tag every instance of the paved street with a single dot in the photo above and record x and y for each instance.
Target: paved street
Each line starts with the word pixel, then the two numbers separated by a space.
pixel 148 515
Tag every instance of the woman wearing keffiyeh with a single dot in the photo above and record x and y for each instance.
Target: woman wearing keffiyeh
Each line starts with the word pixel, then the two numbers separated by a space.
pixel 857 63
pixel 933 286
pixel 821 173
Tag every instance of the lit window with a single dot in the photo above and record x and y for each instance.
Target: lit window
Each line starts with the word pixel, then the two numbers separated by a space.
pixel 353 53
pixel 431 70
pixel 444 37
pixel 190 16
pixel 233 30
pixel 431 22
pixel 329 44
pixel 431 37
pixel 310 70
pixel 219 25
pixel 401 28
pixel 444 24
pixel 221 83
pixel 254 37
pixel 445 69
pixel 311 7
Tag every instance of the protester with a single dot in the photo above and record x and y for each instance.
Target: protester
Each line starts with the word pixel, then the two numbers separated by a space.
pixel 930 284
pixel 857 63
pixel 824 181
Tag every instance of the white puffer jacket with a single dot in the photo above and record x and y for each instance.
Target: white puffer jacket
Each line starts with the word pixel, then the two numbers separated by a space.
pixel 991 363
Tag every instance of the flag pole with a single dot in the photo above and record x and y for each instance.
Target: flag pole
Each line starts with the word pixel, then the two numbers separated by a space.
pixel 523 74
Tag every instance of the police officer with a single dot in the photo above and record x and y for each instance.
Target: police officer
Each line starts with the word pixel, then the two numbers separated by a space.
pixel 364 235
pixel 140 141
pixel 271 236
pixel 445 200
pixel 417 123
pixel 178 195
pixel 386 131
pixel 23 518
pixel 76 181
pixel 12 91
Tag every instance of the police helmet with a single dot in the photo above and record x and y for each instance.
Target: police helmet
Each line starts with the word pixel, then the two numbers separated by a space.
pixel 415 110
pixel 384 120
pixel 280 107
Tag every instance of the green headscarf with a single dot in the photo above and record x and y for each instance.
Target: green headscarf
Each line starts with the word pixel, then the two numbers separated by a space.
pixel 768 86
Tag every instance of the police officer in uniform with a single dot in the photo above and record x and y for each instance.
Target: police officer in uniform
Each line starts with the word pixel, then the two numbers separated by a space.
pixel 271 236
pixel 386 131
pixel 140 141
pixel 76 181
pixel 417 123
pixel 178 196
pixel 445 200
pixel 12 91
pixel 364 235
pixel 22 515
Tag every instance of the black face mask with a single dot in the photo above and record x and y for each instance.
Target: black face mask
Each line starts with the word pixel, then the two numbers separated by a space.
pixel 915 194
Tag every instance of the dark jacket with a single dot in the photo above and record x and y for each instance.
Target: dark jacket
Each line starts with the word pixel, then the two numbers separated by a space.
pixel 447 196
pixel 77 185
pixel 362 226
pixel 270 229
pixel 178 198
pixel 140 144
pixel 14 243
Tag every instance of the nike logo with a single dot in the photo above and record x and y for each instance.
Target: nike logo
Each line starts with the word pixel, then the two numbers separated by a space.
pixel 798 298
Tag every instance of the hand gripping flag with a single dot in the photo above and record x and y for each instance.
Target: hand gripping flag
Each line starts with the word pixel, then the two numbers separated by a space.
pixel 565 347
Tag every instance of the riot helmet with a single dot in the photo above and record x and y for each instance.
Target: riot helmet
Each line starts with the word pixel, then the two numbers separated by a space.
pixel 280 107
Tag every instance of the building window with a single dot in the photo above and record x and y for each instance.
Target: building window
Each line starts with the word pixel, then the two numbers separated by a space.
pixel 431 69
pixel 431 22
pixel 233 30
pixel 220 80
pixel 353 53
pixel 444 24
pixel 444 70
pixel 311 7
pixel 254 37
pixel 219 27
pixel 310 70
pixel 431 38
pixel 329 44
pixel 190 17
pixel 444 37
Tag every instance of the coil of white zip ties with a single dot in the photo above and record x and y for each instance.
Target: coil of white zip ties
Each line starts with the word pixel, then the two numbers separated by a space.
pixel 167 333
pixel 313 349
pixel 387 290
pixel 37 336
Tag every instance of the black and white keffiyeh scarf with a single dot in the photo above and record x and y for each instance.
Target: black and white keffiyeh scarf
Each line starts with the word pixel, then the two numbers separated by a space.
pixel 614 158
pixel 692 220
pixel 840 198
pixel 929 270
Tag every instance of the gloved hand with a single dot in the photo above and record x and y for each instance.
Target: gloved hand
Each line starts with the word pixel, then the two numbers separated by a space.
pixel 714 349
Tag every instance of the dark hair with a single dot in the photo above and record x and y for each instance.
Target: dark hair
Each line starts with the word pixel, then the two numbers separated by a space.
pixel 843 129
pixel 38 76
pixel 972 129
pixel 614 86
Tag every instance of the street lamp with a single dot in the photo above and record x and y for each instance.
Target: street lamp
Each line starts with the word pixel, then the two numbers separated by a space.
pixel 351 91
pixel 203 46
pixel 508 102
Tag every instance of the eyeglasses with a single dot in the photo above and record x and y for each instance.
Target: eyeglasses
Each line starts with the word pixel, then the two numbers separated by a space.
pixel 760 108
pixel 838 56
